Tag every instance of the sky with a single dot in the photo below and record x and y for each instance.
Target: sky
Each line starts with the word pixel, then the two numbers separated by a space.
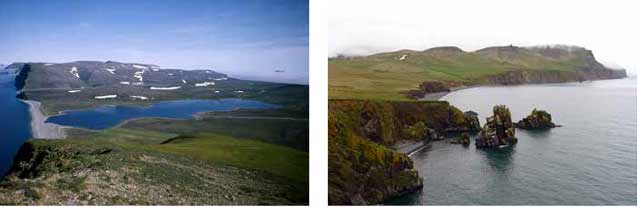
pixel 608 28
pixel 242 38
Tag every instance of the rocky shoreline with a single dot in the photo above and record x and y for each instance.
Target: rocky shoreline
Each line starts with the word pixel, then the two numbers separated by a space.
pixel 40 129
pixel 438 95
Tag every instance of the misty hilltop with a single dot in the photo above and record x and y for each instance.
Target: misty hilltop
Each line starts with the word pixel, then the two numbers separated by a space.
pixel 400 74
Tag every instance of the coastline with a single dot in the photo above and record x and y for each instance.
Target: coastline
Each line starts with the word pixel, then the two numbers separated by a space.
pixel 40 129
pixel 438 95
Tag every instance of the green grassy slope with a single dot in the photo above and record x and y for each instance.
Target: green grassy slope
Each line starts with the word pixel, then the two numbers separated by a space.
pixel 274 126
pixel 386 75
pixel 125 166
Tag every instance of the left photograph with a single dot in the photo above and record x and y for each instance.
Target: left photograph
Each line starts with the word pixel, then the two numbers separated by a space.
pixel 154 102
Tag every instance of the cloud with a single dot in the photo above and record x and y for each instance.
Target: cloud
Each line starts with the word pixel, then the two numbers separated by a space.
pixel 605 28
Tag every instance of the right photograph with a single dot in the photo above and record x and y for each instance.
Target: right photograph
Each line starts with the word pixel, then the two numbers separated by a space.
pixel 481 103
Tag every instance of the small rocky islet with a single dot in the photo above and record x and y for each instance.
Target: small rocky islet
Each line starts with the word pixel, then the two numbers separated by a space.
pixel 538 119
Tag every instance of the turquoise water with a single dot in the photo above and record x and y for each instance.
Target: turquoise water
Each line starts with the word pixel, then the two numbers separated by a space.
pixel 591 160
pixel 104 117
pixel 14 124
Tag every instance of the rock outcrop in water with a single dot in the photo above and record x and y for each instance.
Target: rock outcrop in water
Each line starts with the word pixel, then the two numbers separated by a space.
pixel 471 118
pixel 538 119
pixel 498 130
pixel 464 140
pixel 363 167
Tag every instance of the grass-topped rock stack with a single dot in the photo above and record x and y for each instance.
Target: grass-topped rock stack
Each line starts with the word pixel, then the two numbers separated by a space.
pixel 538 119
pixel 498 130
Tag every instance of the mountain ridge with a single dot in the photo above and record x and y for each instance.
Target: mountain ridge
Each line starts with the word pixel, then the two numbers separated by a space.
pixel 394 73
pixel 79 74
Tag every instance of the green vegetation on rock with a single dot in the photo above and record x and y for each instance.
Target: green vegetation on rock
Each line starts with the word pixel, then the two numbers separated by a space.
pixel 498 129
pixel 538 119
pixel 363 169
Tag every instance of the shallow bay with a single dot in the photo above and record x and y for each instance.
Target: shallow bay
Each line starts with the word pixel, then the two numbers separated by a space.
pixel 591 160
pixel 108 116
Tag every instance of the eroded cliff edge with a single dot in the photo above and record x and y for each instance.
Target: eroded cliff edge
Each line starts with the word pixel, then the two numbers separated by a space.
pixel 363 169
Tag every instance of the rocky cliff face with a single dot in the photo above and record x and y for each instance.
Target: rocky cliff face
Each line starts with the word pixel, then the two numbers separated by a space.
pixel 553 76
pixel 576 63
pixel 498 130
pixel 534 76
pixel 363 169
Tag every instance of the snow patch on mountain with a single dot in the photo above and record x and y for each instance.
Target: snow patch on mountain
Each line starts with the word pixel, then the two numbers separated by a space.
pixel 140 66
pixel 139 97
pixel 106 97
pixel 74 72
pixel 166 88
pixel 204 84
pixel 138 75
pixel 112 71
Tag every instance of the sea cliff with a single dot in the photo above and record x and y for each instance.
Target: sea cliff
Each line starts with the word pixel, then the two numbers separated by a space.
pixel 363 168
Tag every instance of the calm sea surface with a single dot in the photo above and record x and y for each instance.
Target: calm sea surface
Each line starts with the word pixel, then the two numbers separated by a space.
pixel 14 122
pixel 108 116
pixel 591 160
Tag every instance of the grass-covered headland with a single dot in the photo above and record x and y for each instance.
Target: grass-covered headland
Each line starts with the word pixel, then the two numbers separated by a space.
pixel 247 157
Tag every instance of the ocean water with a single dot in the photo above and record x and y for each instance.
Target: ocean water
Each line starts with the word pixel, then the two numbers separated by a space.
pixel 14 122
pixel 108 116
pixel 591 160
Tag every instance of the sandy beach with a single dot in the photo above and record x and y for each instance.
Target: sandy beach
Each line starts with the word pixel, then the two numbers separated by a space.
pixel 40 129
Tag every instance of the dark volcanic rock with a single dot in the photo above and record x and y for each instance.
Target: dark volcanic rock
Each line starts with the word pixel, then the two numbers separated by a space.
pixel 539 119
pixel 471 118
pixel 428 87
pixel 471 123
pixel 498 130
pixel 464 140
